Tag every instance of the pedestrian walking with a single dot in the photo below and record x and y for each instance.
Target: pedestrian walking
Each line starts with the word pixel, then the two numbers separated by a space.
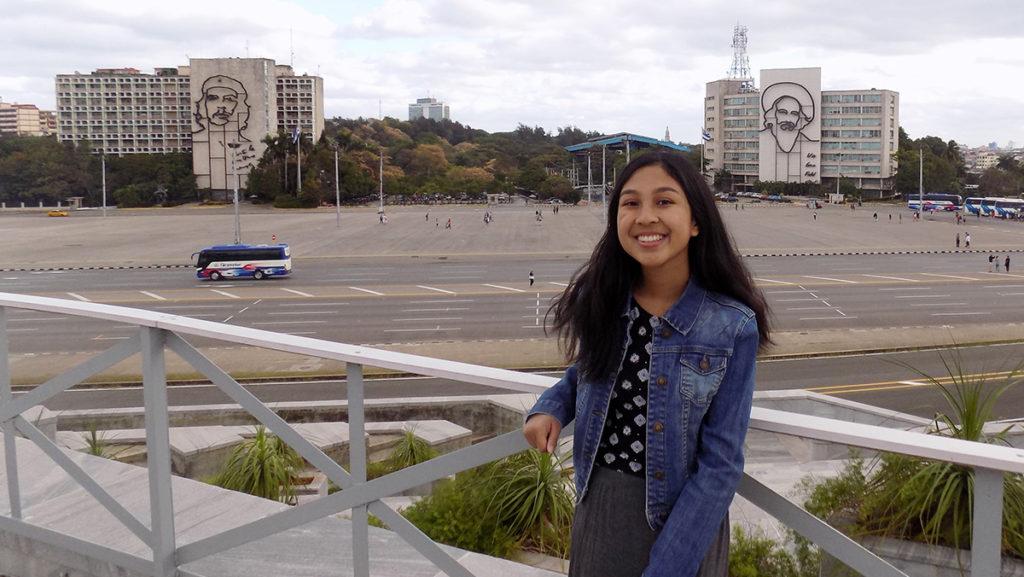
pixel 815 215
pixel 997 263
pixel 958 240
pixel 531 278
pixel 448 224
pixel 875 216
pixel 437 222
pixel 1006 263
pixel 990 259
pixel 644 302
pixel 890 217
pixel 900 215
pixel 967 240
pixel 427 218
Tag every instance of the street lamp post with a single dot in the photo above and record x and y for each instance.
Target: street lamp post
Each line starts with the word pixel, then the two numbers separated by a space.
pixel 234 174
pixel 103 178
pixel 337 190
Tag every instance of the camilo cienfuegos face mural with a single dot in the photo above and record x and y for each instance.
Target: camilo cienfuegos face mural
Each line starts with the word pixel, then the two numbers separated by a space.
pixel 221 120
pixel 787 110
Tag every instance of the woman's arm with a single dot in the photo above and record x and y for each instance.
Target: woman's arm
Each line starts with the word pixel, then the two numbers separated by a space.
pixel 555 408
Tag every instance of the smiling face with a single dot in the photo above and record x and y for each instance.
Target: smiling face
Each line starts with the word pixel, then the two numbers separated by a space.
pixel 655 224
pixel 221 103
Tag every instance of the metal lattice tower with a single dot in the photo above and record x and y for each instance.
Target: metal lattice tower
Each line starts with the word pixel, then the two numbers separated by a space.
pixel 740 61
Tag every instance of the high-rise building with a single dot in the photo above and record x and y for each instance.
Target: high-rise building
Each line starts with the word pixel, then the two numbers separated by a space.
pixel 25 120
pixel 790 130
pixel 219 109
pixel 430 108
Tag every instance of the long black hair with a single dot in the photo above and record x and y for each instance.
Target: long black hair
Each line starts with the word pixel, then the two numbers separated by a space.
pixel 587 315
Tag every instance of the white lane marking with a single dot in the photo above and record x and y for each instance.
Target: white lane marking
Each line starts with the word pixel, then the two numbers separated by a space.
pixel 300 293
pixel 433 302
pixel 785 292
pixel 1003 274
pixel 890 277
pixel 103 338
pixel 290 323
pixel 355 288
pixel 311 304
pixel 824 318
pixel 22 330
pixel 558 283
pixel 913 383
pixel 774 281
pixel 153 295
pixel 907 288
pixel 535 326
pixel 303 313
pixel 949 276
pixel 354 279
pixel 1010 294
pixel 795 300
pixel 10 278
pixel 456 277
pixel 172 307
pixel 432 319
pixel 937 304
pixel 508 288
pixel 439 328
pixel 225 293
pixel 440 310
pixel 956 314
pixel 1003 286
pixel 828 308
pixel 831 279
pixel 922 296
pixel 79 297
pixel 430 288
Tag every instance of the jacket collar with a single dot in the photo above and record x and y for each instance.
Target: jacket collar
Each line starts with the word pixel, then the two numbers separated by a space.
pixel 684 312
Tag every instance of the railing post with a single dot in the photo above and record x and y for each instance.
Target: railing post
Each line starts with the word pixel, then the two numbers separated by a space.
pixel 10 446
pixel 357 468
pixel 158 452
pixel 987 528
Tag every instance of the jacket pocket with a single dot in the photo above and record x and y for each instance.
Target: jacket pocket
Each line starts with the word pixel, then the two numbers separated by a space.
pixel 700 375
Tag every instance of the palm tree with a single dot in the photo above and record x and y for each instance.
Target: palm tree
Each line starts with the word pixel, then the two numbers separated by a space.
pixel 262 465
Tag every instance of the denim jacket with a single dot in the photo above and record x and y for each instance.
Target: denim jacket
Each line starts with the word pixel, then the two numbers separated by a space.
pixel 700 390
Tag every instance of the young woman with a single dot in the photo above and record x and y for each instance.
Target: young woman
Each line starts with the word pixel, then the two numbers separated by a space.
pixel 663 324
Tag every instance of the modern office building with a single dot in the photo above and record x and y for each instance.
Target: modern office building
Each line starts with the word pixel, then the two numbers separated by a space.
pixel 430 108
pixel 218 109
pixel 790 130
pixel 26 120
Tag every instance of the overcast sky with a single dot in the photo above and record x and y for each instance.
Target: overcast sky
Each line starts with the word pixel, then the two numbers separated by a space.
pixel 605 65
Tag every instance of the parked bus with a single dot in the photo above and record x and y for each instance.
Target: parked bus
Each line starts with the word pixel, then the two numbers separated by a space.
pixel 1008 207
pixel 935 201
pixel 984 206
pixel 243 261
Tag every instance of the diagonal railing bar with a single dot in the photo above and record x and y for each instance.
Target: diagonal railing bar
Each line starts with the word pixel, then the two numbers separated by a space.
pixel 10 447
pixel 88 549
pixel 312 454
pixel 259 411
pixel 392 484
pixel 821 533
pixel 84 479
pixel 70 378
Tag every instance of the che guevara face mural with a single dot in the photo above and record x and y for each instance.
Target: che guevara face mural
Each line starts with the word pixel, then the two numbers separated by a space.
pixel 221 120
pixel 787 110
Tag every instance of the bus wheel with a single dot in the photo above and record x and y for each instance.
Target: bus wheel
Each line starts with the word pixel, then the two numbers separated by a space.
pixel 258 275
pixel 215 275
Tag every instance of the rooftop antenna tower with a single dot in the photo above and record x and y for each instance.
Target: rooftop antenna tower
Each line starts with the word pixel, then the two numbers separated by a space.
pixel 740 61
pixel 291 47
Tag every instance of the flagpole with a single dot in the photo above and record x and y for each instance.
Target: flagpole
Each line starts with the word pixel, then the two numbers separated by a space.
pixel 298 151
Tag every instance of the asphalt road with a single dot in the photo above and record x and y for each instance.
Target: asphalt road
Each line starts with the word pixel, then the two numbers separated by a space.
pixel 887 380
pixel 411 300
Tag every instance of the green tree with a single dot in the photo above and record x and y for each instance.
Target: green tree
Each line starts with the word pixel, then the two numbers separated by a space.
pixel 996 181
pixel 262 465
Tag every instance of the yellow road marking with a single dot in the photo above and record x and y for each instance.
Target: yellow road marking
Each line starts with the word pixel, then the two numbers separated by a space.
pixel 901 384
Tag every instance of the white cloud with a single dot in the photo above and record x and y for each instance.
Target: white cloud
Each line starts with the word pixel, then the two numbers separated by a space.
pixel 608 65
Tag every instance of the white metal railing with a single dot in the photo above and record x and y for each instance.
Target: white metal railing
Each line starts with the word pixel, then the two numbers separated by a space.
pixel 159 332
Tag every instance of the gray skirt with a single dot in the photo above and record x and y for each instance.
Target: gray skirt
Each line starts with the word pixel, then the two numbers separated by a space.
pixel 610 535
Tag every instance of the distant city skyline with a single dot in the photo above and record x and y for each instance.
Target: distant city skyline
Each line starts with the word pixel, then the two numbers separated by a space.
pixel 611 66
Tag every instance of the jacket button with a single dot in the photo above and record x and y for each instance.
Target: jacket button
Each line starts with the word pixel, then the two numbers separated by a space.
pixel 658 427
pixel 704 364
pixel 661 381
pixel 665 333
pixel 659 475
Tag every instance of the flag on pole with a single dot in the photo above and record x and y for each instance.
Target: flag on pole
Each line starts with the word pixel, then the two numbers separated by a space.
pixel 296 134
pixel 705 134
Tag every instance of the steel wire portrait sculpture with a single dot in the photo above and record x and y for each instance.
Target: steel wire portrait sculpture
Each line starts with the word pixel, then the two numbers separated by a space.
pixel 787 109
pixel 221 115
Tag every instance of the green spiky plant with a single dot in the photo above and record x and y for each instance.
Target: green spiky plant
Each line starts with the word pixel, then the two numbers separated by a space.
pixel 929 501
pixel 410 450
pixel 262 465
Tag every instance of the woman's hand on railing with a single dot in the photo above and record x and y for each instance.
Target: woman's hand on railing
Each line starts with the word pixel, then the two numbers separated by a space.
pixel 542 431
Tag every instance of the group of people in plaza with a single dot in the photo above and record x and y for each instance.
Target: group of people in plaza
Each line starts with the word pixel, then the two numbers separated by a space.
pixel 993 260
